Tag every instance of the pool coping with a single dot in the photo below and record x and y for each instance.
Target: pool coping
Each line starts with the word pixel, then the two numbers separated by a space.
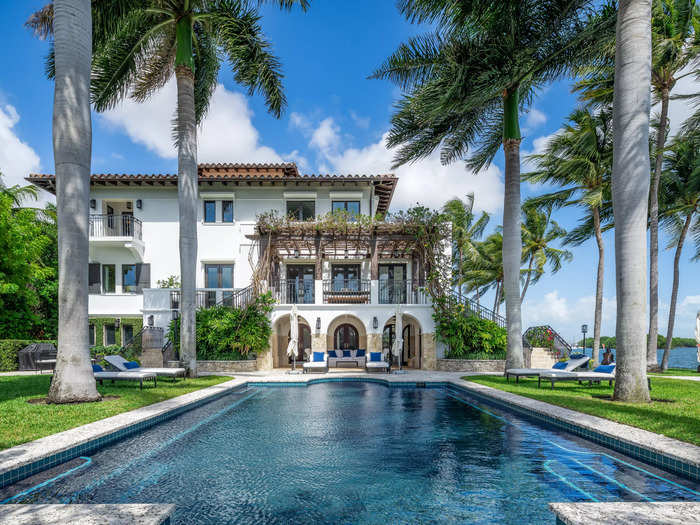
pixel 87 514
pixel 624 513
pixel 24 460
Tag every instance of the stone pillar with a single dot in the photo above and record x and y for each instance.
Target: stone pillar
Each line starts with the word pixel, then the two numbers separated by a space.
pixel 264 359
pixel 429 357
pixel 374 343
pixel 318 342
pixel 152 348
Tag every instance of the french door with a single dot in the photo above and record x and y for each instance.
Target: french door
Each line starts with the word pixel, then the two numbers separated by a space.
pixel 218 276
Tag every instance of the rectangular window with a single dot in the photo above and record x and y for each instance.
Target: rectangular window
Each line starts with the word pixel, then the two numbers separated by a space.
pixel 301 210
pixel 127 333
pixel 108 278
pixel 217 276
pixel 352 207
pixel 128 278
pixel 91 334
pixel 226 211
pixel 209 211
pixel 109 335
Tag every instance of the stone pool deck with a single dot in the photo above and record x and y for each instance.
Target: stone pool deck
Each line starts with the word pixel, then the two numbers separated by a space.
pixel 98 514
pixel 627 513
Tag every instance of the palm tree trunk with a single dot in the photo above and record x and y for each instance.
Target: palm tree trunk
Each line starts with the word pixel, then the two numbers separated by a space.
pixel 459 273
pixel 497 299
pixel 598 286
pixel 187 192
pixel 652 339
pixel 73 380
pixel 630 184
pixel 527 280
pixel 512 240
pixel 674 291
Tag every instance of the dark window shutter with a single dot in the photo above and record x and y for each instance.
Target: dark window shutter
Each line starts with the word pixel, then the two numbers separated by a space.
pixel 94 282
pixel 143 277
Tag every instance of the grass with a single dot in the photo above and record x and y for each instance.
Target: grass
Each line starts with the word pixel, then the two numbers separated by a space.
pixel 675 413
pixel 678 372
pixel 21 422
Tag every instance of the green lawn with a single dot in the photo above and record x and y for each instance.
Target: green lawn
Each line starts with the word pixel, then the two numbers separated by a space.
pixel 21 421
pixel 677 416
pixel 678 372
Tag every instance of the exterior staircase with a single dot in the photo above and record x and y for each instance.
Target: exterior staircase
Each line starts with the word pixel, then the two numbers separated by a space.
pixel 472 308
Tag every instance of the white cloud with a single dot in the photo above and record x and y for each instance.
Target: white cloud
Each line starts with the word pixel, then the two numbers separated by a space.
pixel 690 301
pixel 326 136
pixel 535 118
pixel 17 158
pixel 226 135
pixel 360 122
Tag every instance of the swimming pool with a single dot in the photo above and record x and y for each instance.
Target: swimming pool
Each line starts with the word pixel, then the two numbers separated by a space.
pixel 355 452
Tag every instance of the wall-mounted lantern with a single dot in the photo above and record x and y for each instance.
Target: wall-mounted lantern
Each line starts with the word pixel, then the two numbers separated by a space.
pixel 93 204
pixel 116 323
pixel 150 320
pixel 375 322
pixel 128 205
pixel 139 204
pixel 318 324
pixel 296 253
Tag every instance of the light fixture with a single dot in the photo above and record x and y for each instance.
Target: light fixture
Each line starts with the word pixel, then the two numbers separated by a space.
pixel 375 322
pixel 318 323
pixel 139 203
pixel 296 253
pixel 128 205
pixel 116 323
pixel 150 320
pixel 93 204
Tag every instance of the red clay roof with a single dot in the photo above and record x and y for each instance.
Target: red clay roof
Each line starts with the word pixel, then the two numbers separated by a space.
pixel 284 173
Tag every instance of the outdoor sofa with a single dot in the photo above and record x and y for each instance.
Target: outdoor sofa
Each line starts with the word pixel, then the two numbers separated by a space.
pixel 377 361
pixel 101 376
pixel 318 362
pixel 122 365
pixel 575 361
pixel 338 357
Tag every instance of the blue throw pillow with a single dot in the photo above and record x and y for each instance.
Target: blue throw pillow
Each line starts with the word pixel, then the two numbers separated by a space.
pixel 577 356
pixel 605 369
pixel 375 357
pixel 97 368
pixel 331 353
pixel 360 353
pixel 318 357
pixel 561 365
pixel 346 353
pixel 131 364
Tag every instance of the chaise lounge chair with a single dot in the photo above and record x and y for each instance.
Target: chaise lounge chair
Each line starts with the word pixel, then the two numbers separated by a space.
pixel 101 376
pixel 122 365
pixel 600 373
pixel 377 361
pixel 317 363
pixel 575 361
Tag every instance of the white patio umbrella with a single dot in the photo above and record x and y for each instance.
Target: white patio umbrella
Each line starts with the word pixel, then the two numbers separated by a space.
pixel 398 339
pixel 293 346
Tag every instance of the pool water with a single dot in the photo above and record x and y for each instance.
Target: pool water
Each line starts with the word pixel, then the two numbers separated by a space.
pixel 357 452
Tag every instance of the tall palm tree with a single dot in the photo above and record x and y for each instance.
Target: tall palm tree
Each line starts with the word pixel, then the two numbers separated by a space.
pixel 18 193
pixel 675 45
pixel 73 380
pixel 187 38
pixel 539 232
pixel 465 232
pixel 579 159
pixel 467 85
pixel 630 193
pixel 484 268
pixel 680 212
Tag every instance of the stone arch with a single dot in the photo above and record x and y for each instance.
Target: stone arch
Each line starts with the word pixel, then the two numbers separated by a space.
pixel 280 339
pixel 352 320
pixel 413 340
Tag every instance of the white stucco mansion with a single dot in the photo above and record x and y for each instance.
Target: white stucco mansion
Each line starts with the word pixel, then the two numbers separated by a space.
pixel 346 288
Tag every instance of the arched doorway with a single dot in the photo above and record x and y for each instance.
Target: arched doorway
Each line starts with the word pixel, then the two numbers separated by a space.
pixel 280 340
pixel 411 333
pixel 346 337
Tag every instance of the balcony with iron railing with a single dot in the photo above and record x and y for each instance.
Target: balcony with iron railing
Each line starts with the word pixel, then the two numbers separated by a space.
pixel 294 291
pixel 115 226
pixel 402 291
pixel 209 297
pixel 346 291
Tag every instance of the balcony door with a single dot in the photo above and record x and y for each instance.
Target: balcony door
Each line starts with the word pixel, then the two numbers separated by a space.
pixel 392 283
pixel 218 276
pixel 299 287
pixel 345 277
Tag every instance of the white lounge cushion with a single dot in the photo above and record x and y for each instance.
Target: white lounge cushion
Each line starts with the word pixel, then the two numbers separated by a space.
pixel 126 376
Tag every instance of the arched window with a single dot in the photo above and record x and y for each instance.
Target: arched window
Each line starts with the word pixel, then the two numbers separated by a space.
pixel 346 337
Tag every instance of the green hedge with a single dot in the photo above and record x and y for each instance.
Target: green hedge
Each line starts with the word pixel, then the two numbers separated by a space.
pixel 9 349
pixel 468 336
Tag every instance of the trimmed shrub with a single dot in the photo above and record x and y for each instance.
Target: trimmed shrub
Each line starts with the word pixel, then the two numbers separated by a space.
pixel 9 349
pixel 468 336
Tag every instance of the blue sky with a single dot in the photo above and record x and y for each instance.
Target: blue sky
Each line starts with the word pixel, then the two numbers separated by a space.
pixel 335 122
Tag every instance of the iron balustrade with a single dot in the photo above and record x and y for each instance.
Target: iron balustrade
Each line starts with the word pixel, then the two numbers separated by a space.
pixel 402 291
pixel 208 297
pixel 346 291
pixel 297 291
pixel 114 226
pixel 558 342
pixel 471 307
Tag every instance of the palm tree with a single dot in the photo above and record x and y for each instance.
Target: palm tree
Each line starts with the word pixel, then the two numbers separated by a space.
pixel 484 268
pixel 465 231
pixel 681 210
pixel 73 380
pixel 630 193
pixel 539 232
pixel 675 44
pixel 579 159
pixel 187 38
pixel 18 193
pixel 467 85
